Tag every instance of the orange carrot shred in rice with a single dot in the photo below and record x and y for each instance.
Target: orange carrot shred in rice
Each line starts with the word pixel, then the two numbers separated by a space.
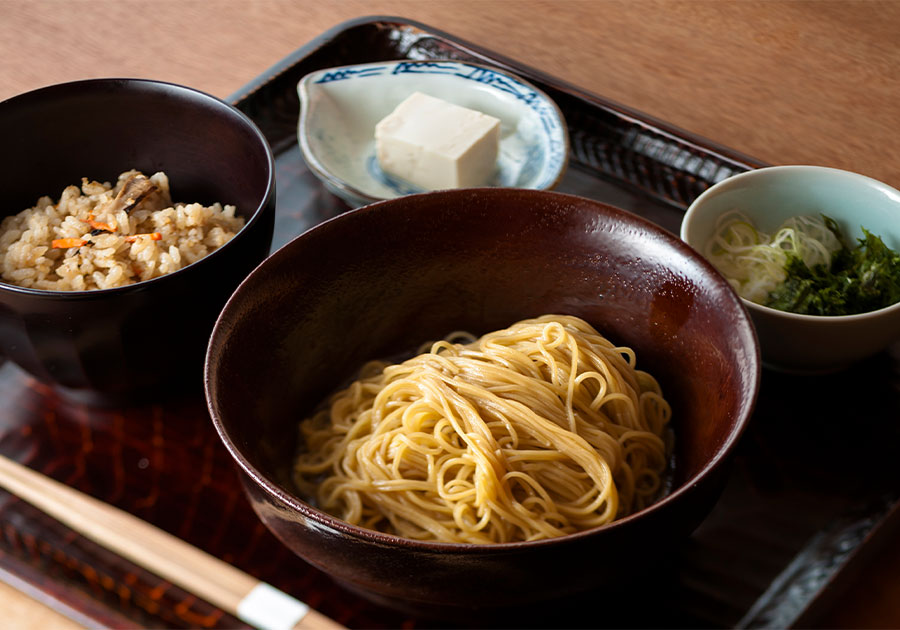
pixel 65 243
pixel 154 236
pixel 99 225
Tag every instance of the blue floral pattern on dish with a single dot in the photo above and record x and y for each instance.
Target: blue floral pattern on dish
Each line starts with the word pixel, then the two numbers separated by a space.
pixel 349 73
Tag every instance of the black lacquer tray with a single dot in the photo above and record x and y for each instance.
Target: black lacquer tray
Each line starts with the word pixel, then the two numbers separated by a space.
pixel 813 490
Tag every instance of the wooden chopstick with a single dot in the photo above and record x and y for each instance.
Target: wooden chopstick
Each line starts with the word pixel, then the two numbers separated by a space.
pixel 163 554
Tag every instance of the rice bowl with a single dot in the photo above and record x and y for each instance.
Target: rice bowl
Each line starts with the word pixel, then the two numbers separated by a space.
pixel 143 340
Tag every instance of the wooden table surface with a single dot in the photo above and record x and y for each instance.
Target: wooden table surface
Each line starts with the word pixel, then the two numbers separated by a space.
pixel 813 82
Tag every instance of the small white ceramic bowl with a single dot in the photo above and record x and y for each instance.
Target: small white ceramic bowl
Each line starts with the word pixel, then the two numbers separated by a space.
pixel 769 196
pixel 339 108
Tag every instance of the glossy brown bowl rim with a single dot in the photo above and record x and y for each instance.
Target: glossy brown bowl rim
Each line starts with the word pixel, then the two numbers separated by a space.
pixel 717 461
pixel 158 87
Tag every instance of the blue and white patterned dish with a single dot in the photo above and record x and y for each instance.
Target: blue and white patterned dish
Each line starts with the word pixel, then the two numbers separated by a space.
pixel 341 106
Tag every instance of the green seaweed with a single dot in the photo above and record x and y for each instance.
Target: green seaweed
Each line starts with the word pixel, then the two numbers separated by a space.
pixel 862 279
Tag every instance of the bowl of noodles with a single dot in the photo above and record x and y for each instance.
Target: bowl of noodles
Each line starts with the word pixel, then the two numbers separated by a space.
pixel 467 400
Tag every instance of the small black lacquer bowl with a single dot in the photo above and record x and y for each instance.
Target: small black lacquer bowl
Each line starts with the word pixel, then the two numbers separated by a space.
pixel 380 280
pixel 145 340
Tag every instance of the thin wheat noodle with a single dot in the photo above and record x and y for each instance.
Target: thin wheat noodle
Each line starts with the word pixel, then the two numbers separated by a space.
pixel 540 430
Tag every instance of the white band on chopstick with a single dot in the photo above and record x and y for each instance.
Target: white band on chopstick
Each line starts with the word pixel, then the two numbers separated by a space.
pixel 267 608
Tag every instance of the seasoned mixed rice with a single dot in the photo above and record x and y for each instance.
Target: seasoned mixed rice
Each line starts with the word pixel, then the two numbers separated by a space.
pixel 100 236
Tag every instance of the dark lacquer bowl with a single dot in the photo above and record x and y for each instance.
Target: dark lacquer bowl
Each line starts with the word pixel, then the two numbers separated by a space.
pixel 149 338
pixel 384 278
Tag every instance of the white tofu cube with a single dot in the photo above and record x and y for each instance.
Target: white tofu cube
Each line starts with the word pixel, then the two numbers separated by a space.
pixel 434 144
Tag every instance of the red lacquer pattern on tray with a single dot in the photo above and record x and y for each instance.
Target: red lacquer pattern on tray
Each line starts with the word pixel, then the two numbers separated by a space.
pixel 163 463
